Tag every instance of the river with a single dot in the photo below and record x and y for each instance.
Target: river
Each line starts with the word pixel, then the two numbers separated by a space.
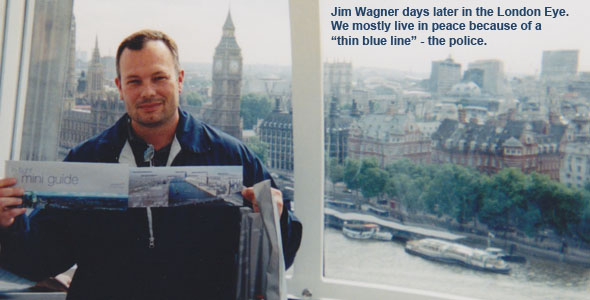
pixel 388 263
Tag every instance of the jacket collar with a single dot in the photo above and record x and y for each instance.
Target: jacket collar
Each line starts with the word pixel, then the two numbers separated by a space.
pixel 191 134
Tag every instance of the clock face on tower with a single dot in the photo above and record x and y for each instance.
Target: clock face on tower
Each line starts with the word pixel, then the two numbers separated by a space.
pixel 217 66
pixel 234 66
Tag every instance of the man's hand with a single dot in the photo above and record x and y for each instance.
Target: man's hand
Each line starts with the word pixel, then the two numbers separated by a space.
pixel 277 197
pixel 9 197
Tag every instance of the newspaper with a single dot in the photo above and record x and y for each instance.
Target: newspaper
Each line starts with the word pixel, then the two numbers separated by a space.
pixel 261 266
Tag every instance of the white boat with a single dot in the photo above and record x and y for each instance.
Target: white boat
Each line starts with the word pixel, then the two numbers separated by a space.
pixel 359 231
pixel 366 231
pixel 383 235
pixel 454 253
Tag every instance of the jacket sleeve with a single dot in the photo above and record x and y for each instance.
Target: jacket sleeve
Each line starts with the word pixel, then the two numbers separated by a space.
pixel 291 230
pixel 37 250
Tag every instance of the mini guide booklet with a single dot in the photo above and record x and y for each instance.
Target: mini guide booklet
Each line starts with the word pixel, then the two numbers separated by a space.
pixel 71 185
pixel 87 186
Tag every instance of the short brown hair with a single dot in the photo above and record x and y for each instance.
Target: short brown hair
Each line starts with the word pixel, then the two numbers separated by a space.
pixel 137 40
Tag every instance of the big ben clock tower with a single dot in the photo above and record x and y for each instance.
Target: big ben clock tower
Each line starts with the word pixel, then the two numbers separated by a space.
pixel 227 79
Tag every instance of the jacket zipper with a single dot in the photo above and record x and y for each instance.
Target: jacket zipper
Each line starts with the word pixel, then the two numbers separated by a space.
pixel 152 243
pixel 149 156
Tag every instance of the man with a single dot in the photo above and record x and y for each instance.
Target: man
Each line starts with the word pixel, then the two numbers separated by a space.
pixel 157 253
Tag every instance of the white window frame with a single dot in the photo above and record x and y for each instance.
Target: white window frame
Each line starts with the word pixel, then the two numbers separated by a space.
pixel 308 136
pixel 17 33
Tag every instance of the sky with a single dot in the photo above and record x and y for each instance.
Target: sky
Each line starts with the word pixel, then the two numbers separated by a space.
pixel 262 26
pixel 263 31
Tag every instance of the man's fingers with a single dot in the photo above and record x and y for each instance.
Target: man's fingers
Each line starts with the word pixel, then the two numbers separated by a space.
pixel 6 182
pixel 277 197
pixel 248 194
pixel 6 222
pixel 14 212
pixel 276 194
pixel 7 215
pixel 9 201
pixel 11 192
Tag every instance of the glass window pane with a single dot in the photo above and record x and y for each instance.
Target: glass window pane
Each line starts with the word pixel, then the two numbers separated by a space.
pixel 2 21
pixel 447 165
pixel 236 78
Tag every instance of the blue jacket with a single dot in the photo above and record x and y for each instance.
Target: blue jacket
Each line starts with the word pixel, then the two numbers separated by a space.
pixel 195 252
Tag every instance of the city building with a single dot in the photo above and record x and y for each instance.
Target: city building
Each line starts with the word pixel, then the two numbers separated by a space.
pixel 338 83
pixel 581 85
pixel 95 76
pixel 81 123
pixel 575 170
pixel 99 107
pixel 276 130
pixel 388 138
pixel 224 112
pixel 47 80
pixel 492 75
pixel 559 65
pixel 443 75
pixel 337 128
pixel 474 75
pixel 525 145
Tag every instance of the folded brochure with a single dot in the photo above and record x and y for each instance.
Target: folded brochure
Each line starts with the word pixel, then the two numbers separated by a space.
pixel 85 186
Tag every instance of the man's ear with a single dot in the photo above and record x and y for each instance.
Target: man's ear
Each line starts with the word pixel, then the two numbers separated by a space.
pixel 180 80
pixel 118 84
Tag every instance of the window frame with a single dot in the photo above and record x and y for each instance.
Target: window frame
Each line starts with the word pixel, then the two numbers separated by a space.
pixel 16 49
pixel 308 136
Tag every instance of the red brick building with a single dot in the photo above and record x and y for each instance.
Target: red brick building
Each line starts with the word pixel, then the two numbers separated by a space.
pixel 526 145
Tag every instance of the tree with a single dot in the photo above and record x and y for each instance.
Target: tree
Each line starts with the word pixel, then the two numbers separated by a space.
pixel 454 192
pixel 254 107
pixel 335 172
pixel 259 148
pixel 373 182
pixel 352 171
pixel 194 99
pixel 406 190
pixel 583 227
pixel 504 199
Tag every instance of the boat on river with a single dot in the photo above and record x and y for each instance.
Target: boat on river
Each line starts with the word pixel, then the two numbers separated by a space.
pixel 365 232
pixel 359 231
pixel 453 253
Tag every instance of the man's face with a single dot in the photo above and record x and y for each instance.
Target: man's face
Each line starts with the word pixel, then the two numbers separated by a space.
pixel 149 85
